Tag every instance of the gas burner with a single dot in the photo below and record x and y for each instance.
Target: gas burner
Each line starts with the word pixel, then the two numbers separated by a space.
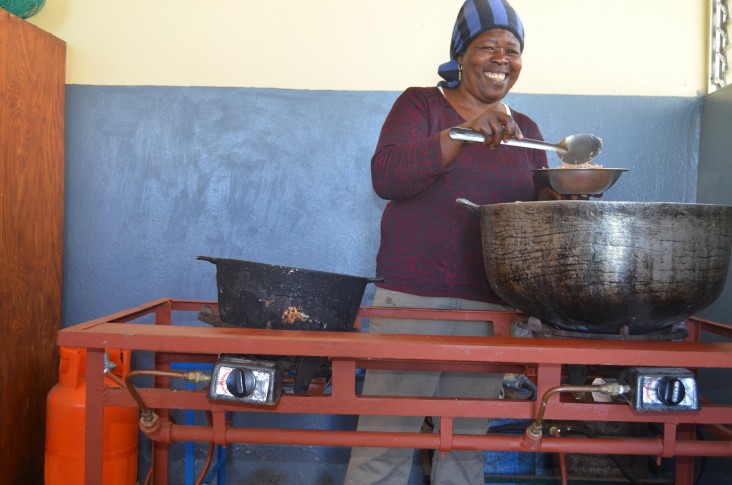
pixel 677 331
pixel 302 372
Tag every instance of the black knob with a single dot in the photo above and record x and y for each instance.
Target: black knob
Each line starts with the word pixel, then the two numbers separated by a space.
pixel 671 391
pixel 240 382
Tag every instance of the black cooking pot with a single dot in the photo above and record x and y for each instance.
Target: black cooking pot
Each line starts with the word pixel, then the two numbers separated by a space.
pixel 257 295
pixel 601 266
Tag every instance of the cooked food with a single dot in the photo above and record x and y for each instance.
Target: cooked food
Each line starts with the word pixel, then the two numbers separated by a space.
pixel 581 165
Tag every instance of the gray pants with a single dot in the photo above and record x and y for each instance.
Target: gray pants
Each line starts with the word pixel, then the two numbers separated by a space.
pixel 392 466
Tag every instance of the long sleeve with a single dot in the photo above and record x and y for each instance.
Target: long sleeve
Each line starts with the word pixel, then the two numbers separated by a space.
pixel 408 158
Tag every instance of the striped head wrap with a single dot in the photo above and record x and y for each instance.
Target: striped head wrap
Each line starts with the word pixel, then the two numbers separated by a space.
pixel 474 18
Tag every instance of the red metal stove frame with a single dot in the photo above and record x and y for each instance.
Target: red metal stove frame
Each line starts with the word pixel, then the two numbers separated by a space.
pixel 540 358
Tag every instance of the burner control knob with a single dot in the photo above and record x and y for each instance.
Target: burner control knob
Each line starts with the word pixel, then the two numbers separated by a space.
pixel 241 382
pixel 671 391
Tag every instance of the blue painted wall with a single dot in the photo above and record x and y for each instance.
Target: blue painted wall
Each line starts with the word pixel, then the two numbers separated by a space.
pixel 158 175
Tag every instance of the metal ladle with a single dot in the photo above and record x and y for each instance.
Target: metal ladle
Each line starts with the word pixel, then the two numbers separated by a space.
pixel 572 150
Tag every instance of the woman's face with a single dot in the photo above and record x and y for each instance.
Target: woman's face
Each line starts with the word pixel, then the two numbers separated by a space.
pixel 491 65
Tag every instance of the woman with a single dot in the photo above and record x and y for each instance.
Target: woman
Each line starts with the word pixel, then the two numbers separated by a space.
pixel 430 253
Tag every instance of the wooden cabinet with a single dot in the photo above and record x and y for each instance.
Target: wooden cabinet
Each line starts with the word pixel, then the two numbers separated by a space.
pixel 32 86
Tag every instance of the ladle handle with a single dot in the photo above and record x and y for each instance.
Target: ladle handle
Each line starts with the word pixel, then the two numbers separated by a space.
pixel 465 134
pixel 471 207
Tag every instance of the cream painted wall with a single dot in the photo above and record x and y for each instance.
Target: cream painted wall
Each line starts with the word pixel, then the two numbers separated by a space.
pixel 597 47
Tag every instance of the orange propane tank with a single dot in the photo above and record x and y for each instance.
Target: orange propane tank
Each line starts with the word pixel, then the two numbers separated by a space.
pixel 66 417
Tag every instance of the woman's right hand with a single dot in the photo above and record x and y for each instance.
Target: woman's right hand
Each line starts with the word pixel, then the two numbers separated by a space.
pixel 495 125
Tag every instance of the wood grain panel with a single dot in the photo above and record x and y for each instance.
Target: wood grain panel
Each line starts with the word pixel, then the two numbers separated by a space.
pixel 32 86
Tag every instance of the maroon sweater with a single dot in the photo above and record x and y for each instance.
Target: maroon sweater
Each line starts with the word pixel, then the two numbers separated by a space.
pixel 431 246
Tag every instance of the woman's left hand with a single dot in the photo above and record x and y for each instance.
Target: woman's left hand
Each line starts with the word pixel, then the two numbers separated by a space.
pixel 548 193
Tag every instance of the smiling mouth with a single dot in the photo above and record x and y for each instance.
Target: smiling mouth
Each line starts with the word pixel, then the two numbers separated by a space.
pixel 496 76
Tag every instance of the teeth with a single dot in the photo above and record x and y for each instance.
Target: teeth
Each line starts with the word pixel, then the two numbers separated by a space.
pixel 496 76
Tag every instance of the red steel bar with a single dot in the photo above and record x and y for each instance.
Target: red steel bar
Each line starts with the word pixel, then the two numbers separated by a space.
pixel 169 432
pixel 204 340
pixel 151 327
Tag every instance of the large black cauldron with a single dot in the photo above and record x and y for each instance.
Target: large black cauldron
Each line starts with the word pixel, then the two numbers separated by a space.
pixel 600 266
pixel 257 295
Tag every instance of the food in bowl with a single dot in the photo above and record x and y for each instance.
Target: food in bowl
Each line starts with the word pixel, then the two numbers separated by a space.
pixel 580 165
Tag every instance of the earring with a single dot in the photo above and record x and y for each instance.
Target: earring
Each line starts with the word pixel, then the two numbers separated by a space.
pixel 460 72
